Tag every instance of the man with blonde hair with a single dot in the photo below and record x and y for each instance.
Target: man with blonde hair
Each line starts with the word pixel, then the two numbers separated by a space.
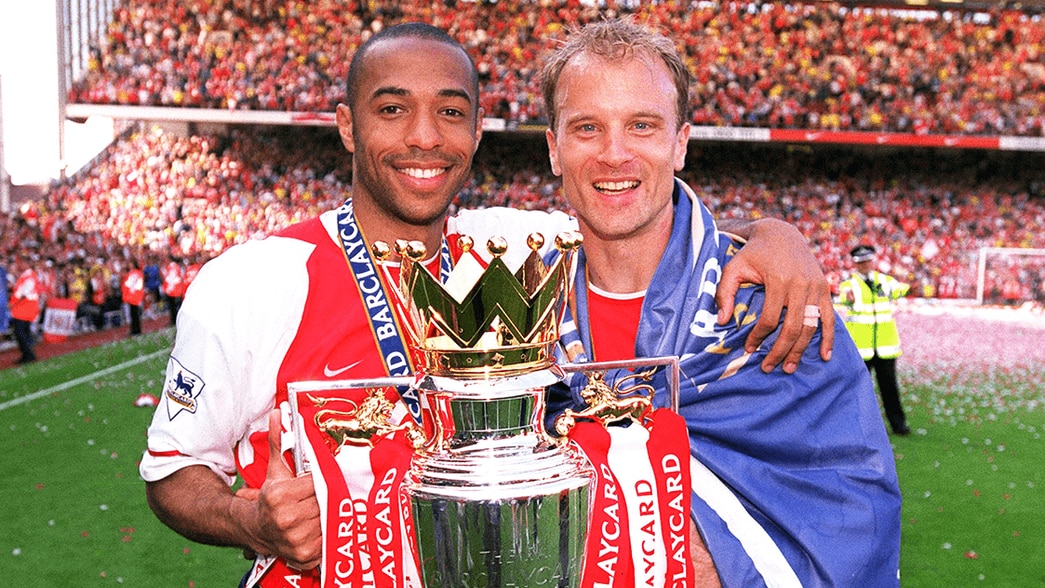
pixel 793 480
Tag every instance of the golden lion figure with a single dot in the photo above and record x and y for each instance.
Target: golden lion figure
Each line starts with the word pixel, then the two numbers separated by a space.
pixel 365 424
pixel 607 405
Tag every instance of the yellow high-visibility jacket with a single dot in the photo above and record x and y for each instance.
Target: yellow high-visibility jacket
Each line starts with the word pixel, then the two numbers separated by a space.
pixel 870 319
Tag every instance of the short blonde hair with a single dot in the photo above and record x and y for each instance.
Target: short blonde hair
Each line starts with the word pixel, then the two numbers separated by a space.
pixel 615 39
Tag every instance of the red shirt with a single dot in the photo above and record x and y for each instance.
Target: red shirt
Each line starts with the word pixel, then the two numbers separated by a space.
pixel 133 287
pixel 614 323
pixel 190 274
pixel 25 298
pixel 173 280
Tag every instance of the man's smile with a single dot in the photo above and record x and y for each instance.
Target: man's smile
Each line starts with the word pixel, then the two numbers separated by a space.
pixel 423 173
pixel 616 187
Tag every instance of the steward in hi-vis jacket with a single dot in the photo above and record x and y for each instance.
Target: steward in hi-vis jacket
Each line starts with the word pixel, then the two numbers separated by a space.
pixel 868 296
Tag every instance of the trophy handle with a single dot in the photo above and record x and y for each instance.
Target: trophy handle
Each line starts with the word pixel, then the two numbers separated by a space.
pixel 670 362
pixel 301 465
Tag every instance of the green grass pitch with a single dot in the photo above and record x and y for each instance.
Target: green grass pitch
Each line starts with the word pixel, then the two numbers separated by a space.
pixel 74 510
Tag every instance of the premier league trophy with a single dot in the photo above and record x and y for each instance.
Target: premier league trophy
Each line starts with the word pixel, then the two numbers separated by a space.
pixel 495 501
pixel 488 499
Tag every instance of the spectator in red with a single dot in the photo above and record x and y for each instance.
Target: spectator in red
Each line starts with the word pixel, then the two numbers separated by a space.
pixel 191 271
pixel 132 290
pixel 173 287
pixel 97 287
pixel 25 307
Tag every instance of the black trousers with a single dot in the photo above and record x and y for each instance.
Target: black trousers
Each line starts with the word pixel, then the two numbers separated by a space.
pixel 24 335
pixel 135 312
pixel 173 306
pixel 884 371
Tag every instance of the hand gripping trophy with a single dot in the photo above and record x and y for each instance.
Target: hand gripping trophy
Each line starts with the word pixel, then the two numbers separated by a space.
pixel 481 495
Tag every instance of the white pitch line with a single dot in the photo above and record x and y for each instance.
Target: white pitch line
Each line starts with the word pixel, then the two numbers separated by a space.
pixel 82 379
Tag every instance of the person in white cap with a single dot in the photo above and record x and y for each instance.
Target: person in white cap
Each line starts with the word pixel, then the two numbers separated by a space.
pixel 868 295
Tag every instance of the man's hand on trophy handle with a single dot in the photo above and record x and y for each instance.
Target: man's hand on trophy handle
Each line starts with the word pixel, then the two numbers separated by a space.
pixel 286 511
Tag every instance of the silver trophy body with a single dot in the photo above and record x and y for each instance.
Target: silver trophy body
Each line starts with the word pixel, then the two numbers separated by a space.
pixel 495 501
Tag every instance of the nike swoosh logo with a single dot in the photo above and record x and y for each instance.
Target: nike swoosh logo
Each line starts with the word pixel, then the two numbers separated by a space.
pixel 333 373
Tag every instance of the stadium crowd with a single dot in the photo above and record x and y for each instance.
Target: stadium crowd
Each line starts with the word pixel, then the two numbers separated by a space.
pixel 155 196
pixel 821 65
pixel 171 202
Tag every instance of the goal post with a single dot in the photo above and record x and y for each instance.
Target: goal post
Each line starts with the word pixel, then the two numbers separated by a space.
pixel 1010 275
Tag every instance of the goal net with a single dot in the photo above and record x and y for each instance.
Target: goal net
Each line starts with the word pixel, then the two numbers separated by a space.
pixel 1010 276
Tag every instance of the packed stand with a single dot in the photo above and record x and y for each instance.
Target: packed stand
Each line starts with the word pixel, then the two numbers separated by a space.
pixel 159 196
pixel 927 212
pixel 821 66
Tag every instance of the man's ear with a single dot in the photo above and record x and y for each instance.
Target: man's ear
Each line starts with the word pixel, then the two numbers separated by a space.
pixel 344 127
pixel 553 153
pixel 682 142
pixel 480 113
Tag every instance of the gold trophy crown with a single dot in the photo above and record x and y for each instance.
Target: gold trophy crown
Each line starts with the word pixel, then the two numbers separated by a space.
pixel 488 322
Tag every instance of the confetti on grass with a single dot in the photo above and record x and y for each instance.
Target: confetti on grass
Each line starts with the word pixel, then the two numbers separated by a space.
pixel 956 373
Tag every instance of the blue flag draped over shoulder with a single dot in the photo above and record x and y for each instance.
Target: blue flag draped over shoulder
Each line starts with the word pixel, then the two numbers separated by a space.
pixel 794 482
